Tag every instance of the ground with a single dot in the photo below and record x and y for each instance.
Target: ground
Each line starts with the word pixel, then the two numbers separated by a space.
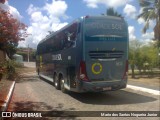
pixel 34 94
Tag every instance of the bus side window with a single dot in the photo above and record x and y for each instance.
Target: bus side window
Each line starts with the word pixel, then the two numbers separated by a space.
pixel 70 36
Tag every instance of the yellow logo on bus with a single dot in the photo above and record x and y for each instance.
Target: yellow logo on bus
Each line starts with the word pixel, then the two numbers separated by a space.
pixel 40 57
pixel 98 68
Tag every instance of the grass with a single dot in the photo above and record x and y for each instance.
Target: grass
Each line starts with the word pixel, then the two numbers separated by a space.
pixel 155 72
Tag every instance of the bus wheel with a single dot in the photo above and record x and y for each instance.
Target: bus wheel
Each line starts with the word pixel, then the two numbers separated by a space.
pixel 63 89
pixel 56 83
pixel 54 79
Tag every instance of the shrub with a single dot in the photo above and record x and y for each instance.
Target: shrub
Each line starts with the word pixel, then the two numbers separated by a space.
pixel 7 69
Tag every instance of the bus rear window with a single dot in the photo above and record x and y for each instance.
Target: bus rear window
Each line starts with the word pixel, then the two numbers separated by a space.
pixel 105 28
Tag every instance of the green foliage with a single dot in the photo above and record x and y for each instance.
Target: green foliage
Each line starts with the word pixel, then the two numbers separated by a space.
pixel 112 12
pixel 151 11
pixel 11 32
pixel 9 48
pixel 150 55
pixel 7 69
pixel 10 65
pixel 144 57
pixel 33 55
pixel 134 55
pixel 2 69
pixel 132 61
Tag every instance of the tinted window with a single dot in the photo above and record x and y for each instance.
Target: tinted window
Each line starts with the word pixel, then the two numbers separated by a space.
pixel 105 27
pixel 61 40
pixel 70 35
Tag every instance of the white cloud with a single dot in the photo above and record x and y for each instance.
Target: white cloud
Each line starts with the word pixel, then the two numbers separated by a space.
pixel 56 8
pixel 38 17
pixel 110 3
pixel 92 3
pixel 130 11
pixel 131 30
pixel 32 9
pixel 56 26
pixel 141 21
pixel 13 11
pixel 152 23
pixel 43 20
pixel 148 36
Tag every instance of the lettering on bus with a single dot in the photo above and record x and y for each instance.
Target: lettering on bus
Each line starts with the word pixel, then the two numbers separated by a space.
pixel 107 38
pixel 105 26
pixel 117 26
pixel 57 57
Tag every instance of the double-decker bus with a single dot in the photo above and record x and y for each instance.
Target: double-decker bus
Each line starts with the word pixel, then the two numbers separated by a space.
pixel 88 55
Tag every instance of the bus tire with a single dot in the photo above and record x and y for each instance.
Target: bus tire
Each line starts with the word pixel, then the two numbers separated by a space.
pixel 63 89
pixel 56 82
pixel 54 79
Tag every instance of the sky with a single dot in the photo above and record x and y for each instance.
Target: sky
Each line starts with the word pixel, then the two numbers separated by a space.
pixel 42 16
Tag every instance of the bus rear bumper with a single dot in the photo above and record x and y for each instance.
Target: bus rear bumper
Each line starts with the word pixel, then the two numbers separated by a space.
pixel 101 86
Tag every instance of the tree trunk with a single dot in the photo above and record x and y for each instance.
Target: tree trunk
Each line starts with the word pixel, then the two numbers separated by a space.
pixel 140 71
pixel 133 74
pixel 1 76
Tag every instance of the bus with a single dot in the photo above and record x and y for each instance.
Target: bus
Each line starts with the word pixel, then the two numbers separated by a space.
pixel 88 55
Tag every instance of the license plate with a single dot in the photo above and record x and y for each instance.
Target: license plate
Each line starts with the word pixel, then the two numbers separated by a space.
pixel 107 88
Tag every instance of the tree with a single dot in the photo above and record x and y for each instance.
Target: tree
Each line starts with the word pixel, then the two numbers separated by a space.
pixel 151 55
pixel 11 32
pixel 151 11
pixel 132 62
pixel 112 12
pixel 3 1
pixel 11 29
pixel 135 56
pixel 143 57
pixel 139 60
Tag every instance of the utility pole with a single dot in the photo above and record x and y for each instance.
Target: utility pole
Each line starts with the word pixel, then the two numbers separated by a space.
pixel 28 52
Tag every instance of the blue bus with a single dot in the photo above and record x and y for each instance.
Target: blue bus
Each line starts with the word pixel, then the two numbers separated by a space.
pixel 88 55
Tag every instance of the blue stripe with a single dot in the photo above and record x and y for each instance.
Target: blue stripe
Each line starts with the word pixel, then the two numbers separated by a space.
pixel 106 39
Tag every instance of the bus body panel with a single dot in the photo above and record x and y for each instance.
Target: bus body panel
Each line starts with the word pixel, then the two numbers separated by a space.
pixel 105 61
pixel 105 57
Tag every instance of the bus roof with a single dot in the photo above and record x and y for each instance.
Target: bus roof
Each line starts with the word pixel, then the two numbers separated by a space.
pixel 103 16
pixel 80 19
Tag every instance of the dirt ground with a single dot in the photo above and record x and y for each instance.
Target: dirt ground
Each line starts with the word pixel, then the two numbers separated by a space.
pixel 25 69
pixel 150 81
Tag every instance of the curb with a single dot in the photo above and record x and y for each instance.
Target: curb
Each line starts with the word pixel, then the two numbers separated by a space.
pixel 8 98
pixel 147 90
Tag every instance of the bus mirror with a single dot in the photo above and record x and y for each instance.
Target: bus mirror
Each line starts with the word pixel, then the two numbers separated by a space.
pixel 69 38
pixel 68 35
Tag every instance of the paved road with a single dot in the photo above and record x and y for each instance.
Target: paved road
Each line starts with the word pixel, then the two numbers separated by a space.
pixel 34 94
pixel 29 64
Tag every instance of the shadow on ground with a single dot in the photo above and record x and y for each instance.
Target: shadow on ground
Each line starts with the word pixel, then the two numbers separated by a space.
pixel 112 98
pixel 119 97
pixel 30 78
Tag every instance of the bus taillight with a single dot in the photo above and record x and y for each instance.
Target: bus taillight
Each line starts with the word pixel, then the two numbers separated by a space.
pixel 126 71
pixel 82 71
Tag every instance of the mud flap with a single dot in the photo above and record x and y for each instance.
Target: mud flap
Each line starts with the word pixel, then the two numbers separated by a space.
pixel 71 76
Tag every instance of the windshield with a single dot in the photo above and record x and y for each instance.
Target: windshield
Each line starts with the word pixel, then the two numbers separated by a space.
pixel 105 28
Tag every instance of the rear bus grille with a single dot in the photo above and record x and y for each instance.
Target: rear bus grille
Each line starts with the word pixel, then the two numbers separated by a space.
pixel 105 54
